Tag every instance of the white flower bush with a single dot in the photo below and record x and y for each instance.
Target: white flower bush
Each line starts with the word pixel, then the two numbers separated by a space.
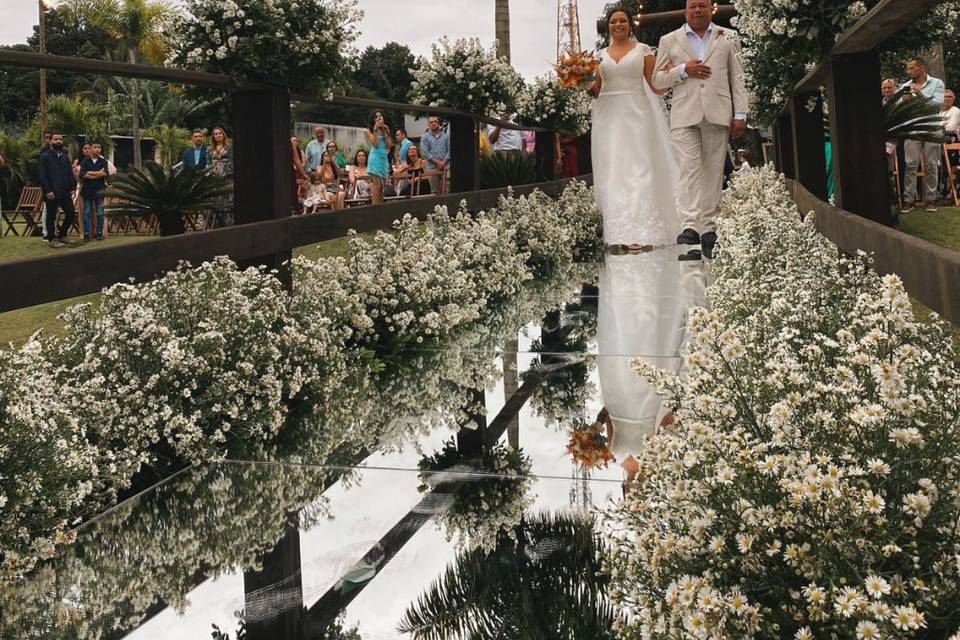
pixel 216 361
pixel 544 103
pixel 784 40
pixel 463 75
pixel 302 43
pixel 810 487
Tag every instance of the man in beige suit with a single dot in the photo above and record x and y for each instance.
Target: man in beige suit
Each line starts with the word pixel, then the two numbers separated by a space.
pixel 701 63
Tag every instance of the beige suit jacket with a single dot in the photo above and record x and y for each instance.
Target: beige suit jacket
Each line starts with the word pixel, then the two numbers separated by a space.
pixel 715 99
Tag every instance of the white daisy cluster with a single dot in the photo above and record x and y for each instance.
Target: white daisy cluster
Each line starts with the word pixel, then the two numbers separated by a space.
pixel 216 361
pixel 302 43
pixel 811 485
pixel 784 39
pixel 545 103
pixel 463 75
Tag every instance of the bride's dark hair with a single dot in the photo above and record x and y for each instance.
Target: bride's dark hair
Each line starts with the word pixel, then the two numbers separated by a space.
pixel 621 9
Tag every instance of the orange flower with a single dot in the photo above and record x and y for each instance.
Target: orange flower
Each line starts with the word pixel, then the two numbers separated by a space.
pixel 578 70
pixel 588 447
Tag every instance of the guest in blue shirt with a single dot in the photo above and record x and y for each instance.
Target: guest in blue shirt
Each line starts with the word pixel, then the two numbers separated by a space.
pixel 196 157
pixel 435 149
pixel 93 178
pixel 404 144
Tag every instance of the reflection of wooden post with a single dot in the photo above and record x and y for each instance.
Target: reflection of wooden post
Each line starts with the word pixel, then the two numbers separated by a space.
pixel 470 441
pixel 511 382
pixel 810 159
pixel 262 161
pixel 43 72
pixel 273 596
pixel 857 134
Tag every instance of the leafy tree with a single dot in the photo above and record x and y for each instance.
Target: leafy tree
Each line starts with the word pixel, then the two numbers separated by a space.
pixel 171 142
pixel 335 114
pixel 140 26
pixel 76 118
pixel 385 72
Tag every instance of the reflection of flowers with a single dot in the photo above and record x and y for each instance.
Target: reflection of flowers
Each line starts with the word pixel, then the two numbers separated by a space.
pixel 487 503
pixel 589 447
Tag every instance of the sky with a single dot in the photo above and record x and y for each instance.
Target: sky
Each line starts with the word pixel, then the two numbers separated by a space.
pixel 416 24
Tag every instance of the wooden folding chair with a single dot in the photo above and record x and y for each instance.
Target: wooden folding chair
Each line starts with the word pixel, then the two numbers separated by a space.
pixel 28 212
pixel 953 170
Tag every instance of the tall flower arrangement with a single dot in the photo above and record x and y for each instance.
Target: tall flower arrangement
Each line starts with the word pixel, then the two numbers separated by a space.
pixel 545 103
pixel 463 75
pixel 303 43
pixel 811 485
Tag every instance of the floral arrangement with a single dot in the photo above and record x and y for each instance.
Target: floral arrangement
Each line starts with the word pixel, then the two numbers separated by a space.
pixel 216 361
pixel 810 487
pixel 463 75
pixel 783 41
pixel 304 44
pixel 489 497
pixel 577 70
pixel 589 447
pixel 548 103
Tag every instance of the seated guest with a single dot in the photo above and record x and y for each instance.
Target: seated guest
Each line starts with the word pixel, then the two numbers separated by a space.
pixel 334 150
pixel 403 145
pixel 887 88
pixel 951 116
pixel 418 183
pixel 329 174
pixel 505 140
pixel 196 156
pixel 359 182
pixel 743 161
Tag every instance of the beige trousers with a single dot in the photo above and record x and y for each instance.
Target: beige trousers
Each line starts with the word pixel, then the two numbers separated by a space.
pixel 912 150
pixel 700 152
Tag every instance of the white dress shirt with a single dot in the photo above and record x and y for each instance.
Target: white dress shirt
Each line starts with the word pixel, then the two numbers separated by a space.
pixel 951 120
pixel 508 140
pixel 700 46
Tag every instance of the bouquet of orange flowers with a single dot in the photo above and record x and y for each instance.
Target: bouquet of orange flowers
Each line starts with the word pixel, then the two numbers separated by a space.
pixel 589 448
pixel 577 70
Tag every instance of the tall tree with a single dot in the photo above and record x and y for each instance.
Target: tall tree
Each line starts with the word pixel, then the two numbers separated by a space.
pixel 502 20
pixel 385 73
pixel 139 26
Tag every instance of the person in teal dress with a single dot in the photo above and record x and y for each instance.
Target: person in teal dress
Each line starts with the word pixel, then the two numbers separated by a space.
pixel 378 166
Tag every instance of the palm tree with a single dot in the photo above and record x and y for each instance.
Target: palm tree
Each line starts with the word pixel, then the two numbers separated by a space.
pixel 167 194
pixel 171 141
pixel 502 20
pixel 75 116
pixel 141 28
pixel 545 584
pixel 914 119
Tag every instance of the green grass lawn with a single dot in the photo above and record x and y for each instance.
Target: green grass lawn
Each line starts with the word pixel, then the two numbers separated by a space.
pixel 17 326
pixel 942 227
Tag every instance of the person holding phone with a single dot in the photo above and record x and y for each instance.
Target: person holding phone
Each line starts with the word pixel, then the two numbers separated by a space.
pixel 378 166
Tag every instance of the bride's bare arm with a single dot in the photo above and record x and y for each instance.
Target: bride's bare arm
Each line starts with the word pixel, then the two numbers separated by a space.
pixel 649 63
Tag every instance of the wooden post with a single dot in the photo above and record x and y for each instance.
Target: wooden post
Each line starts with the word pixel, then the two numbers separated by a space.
pixel 856 126
pixel 546 156
pixel 470 441
pixel 783 140
pixel 273 596
pixel 810 160
pixel 263 162
pixel 464 154
pixel 43 72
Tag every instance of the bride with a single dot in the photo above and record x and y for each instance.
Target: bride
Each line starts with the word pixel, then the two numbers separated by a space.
pixel 635 175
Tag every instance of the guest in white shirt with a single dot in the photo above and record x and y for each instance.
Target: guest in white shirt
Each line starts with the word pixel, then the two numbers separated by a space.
pixel 951 115
pixel 926 86
pixel 504 140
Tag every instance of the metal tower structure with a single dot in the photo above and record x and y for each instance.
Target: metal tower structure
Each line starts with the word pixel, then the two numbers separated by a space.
pixel 568 28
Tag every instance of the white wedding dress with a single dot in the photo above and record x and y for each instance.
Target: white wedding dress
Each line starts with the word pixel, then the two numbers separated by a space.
pixel 635 174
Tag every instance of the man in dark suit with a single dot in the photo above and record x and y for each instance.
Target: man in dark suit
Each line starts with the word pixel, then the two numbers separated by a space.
pixel 58 182
pixel 196 156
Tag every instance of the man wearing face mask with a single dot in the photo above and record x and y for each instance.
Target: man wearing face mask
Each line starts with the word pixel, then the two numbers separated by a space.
pixel 57 182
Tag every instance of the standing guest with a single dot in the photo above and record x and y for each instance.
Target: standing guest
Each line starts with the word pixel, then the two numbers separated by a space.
pixel 435 149
pixel 358 177
pixel 93 176
pixel 315 149
pixel 334 150
pixel 530 142
pixel 924 86
pixel 84 154
pixel 887 88
pixel 403 145
pixel 220 153
pixel 951 115
pixel 57 181
pixel 378 167
pixel 196 156
pixel 298 177
pixel 505 140
pixel 45 146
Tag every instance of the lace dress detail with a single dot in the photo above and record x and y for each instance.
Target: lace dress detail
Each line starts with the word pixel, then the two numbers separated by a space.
pixel 635 173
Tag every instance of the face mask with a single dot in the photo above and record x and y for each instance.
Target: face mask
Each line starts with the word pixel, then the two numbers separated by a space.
pixel 58 146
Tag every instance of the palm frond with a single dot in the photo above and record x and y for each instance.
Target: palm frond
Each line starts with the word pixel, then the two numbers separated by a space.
pixel 507 169
pixel 915 119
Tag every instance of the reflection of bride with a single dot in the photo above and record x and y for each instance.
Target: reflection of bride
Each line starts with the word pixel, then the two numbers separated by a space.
pixel 643 305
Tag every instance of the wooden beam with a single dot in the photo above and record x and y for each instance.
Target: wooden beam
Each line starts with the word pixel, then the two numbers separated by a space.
pixel 464 154
pixel 546 156
pixel 885 20
pixel 784 144
pixel 813 80
pixel 67 275
pixel 856 130
pixel 810 161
